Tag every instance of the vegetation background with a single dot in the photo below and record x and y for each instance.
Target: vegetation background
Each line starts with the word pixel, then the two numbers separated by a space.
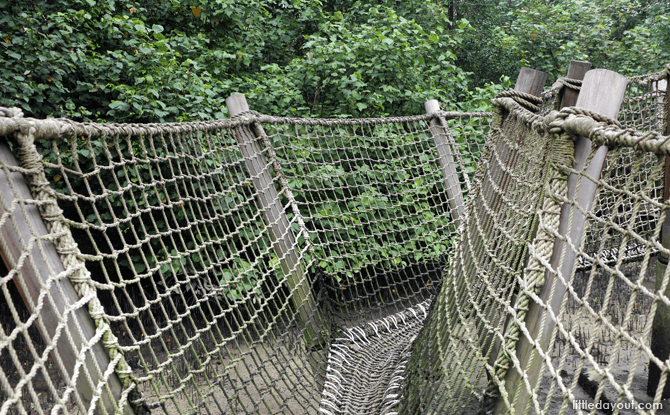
pixel 158 60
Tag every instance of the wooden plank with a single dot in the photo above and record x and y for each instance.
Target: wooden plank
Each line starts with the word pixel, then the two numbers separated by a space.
pixel 31 281
pixel 660 331
pixel 444 145
pixel 602 92
pixel 530 81
pixel 281 234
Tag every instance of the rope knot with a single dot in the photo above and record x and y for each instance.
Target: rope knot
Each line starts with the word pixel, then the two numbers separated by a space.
pixel 11 112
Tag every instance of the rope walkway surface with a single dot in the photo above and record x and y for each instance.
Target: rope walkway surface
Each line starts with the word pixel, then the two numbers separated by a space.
pixel 275 265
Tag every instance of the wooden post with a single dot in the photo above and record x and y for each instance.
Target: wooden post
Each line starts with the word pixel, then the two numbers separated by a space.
pixel 660 331
pixel 32 279
pixel 444 143
pixel 530 81
pixel 576 70
pixel 602 91
pixel 283 240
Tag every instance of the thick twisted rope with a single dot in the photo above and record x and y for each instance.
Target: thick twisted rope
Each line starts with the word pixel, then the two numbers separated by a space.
pixel 550 97
pixel 531 102
pixel 59 127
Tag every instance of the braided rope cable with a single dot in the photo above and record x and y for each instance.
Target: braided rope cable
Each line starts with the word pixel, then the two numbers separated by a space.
pixel 57 127
pixel 655 76
pixel 598 128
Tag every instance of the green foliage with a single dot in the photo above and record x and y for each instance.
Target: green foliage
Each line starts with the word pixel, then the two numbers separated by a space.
pixel 88 60
pixel 378 62
pixel 628 36
pixel 367 200
pixel 177 60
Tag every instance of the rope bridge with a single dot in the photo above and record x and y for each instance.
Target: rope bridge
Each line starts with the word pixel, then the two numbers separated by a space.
pixel 443 263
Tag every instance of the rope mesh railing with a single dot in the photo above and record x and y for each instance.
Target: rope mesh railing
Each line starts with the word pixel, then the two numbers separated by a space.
pixel 276 265
pixel 374 201
pixel 481 279
pixel 172 227
pixel 599 351
pixel 643 109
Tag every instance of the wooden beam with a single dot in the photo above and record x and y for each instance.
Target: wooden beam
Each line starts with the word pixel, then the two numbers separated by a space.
pixel 527 82
pixel 660 331
pixel 281 234
pixel 602 91
pixel 530 81
pixel 444 143
pixel 576 70
pixel 32 279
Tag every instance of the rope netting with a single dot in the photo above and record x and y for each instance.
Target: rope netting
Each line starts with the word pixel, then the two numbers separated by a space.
pixel 224 267
pixel 375 202
pixel 643 109
pixel 469 356
pixel 276 265
pixel 481 278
